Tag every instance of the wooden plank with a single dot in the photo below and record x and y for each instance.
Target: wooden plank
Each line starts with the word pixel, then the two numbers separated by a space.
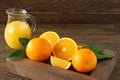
pixel 38 70
pixel 67 11
pixel 70 17
pixel 104 68
pixel 63 5
pixel 76 17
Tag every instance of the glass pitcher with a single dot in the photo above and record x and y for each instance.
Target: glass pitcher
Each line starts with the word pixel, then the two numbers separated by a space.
pixel 18 27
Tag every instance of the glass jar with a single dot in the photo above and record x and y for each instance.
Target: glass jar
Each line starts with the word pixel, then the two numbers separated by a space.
pixel 18 27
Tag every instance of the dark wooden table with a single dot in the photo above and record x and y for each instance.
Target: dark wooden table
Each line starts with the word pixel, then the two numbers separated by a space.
pixel 107 35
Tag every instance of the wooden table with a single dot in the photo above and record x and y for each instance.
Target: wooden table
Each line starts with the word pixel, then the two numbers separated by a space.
pixel 107 35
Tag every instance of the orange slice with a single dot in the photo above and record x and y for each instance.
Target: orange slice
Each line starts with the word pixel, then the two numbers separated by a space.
pixel 57 62
pixel 51 37
pixel 65 48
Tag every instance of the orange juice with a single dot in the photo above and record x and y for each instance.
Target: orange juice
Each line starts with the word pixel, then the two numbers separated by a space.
pixel 15 30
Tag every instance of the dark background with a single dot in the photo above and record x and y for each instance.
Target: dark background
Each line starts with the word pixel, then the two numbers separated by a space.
pixel 66 11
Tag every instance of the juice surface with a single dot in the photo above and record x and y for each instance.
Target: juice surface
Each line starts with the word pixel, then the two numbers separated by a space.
pixel 14 31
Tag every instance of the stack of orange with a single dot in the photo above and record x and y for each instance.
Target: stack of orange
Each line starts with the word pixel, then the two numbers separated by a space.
pixel 64 51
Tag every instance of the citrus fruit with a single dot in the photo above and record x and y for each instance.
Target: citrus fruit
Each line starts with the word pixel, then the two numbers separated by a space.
pixel 84 60
pixel 14 31
pixel 58 62
pixel 65 48
pixel 38 49
pixel 51 37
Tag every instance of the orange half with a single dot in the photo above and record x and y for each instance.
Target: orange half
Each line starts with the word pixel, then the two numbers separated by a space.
pixel 65 48
pixel 51 37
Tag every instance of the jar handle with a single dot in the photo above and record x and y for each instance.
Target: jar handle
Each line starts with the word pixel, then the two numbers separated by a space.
pixel 33 22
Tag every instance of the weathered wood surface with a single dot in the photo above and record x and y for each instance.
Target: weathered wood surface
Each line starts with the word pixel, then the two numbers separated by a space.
pixel 66 11
pixel 43 71
pixel 107 35
pixel 105 66
pixel 63 5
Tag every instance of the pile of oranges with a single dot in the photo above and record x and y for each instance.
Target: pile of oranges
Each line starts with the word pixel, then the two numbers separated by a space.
pixel 62 52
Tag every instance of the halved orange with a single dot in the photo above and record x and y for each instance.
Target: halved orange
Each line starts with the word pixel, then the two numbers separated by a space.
pixel 57 62
pixel 65 48
pixel 51 37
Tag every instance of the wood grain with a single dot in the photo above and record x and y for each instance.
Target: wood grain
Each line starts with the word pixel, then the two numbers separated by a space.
pixel 104 68
pixel 38 70
pixel 70 18
pixel 63 5
pixel 66 11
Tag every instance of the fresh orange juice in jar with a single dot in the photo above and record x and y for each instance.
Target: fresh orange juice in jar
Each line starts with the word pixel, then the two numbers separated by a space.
pixel 18 27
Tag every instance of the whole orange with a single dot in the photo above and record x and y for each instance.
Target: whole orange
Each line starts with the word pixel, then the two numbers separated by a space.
pixel 84 60
pixel 38 49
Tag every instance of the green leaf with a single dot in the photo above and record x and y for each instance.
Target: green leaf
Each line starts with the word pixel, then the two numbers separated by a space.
pixel 103 56
pixel 24 41
pixel 95 48
pixel 18 54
